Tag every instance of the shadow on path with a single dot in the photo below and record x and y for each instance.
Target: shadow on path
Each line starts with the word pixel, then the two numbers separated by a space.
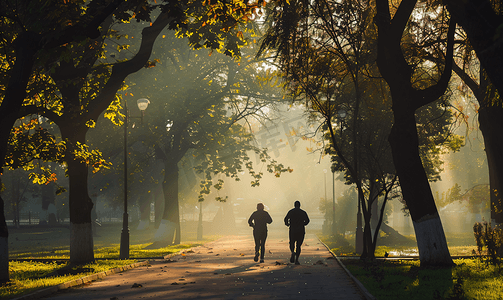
pixel 224 269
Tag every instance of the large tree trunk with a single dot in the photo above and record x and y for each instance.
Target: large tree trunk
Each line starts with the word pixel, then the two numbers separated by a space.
pixel 491 125
pixel 81 234
pixel 169 229
pixel 416 191
pixel 403 138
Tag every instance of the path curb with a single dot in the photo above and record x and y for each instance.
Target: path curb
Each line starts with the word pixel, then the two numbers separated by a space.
pixel 360 286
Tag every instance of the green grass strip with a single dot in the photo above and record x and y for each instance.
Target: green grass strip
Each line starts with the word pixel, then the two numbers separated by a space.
pixel 405 279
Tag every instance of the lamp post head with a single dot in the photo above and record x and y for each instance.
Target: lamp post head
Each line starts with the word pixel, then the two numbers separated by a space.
pixel 341 113
pixel 142 103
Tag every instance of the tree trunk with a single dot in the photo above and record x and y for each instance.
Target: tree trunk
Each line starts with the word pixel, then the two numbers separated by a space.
pixel 416 190
pixel 169 229
pixel 403 137
pixel 81 234
pixel 26 47
pixel 491 125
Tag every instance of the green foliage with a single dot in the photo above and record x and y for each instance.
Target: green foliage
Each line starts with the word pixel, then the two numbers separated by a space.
pixel 198 117
pixel 489 242
pixel 339 245
pixel 450 196
pixel 92 158
pixel 30 141
pixel 479 198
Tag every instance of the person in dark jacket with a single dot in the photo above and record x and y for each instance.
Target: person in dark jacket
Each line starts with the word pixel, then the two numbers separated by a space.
pixel 259 220
pixel 297 219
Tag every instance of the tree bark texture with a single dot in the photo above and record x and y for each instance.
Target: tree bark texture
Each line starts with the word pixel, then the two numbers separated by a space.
pixel 80 204
pixel 416 191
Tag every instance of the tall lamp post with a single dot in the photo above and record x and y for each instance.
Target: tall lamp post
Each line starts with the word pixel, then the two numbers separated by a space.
pixel 334 227
pixel 124 246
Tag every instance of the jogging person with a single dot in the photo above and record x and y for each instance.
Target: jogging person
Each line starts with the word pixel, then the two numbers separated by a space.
pixel 297 219
pixel 259 220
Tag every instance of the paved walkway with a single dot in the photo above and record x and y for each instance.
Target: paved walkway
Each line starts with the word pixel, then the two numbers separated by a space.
pixel 224 269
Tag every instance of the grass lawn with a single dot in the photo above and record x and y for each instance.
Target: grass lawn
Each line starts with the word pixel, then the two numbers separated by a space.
pixel 53 244
pixel 470 278
pixel 405 279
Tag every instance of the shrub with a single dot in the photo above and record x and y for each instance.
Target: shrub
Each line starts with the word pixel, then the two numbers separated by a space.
pixel 489 238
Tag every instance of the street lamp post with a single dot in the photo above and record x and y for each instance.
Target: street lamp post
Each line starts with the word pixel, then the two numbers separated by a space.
pixel 334 229
pixel 124 246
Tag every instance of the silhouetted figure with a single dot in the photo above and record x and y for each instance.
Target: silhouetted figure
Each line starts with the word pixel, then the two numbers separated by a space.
pixel 297 219
pixel 259 220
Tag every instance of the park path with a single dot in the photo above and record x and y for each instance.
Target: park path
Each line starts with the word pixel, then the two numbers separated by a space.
pixel 224 269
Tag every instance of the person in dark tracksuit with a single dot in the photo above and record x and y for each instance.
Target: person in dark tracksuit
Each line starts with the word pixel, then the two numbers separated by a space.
pixel 259 220
pixel 297 219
